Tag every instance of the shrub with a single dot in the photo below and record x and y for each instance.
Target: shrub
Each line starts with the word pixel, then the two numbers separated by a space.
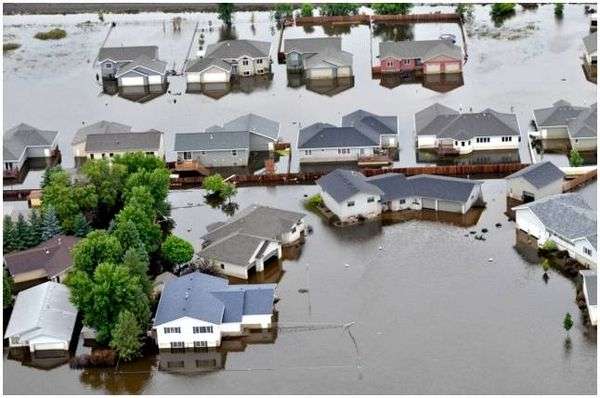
pixel 550 245
pixel 391 8
pixel 575 158
pixel 54 34
pixel 306 10
pixel 558 9
pixel 502 9
pixel 314 202
pixel 176 250
pixel 10 46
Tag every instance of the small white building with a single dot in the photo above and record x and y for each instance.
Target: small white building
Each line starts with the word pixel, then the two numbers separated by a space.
pixel 535 182
pixel 43 318
pixel 450 132
pixel 565 219
pixel 196 310
pixel 250 239
pixel 590 292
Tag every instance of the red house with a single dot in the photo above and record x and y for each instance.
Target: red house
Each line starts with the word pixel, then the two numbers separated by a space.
pixel 428 56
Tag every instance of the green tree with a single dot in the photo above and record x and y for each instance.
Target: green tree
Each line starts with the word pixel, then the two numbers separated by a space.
pixel 127 234
pixel 137 262
pixel 575 158
pixel 149 232
pixel 306 10
pixel 225 12
pixel 23 235
pixel 546 265
pixel 7 289
pixel 463 9
pixel 126 336
pixel 36 223
pixel 103 296
pixel 50 223
pixel 283 10
pixel 155 181
pixel 558 9
pixel 8 235
pixel 98 247
pixel 107 180
pixel 391 8
pixel 502 9
pixel 567 322
pixel 213 183
pixel 136 161
pixel 227 192
pixel 47 173
pixel 176 250
pixel 339 9
pixel 81 226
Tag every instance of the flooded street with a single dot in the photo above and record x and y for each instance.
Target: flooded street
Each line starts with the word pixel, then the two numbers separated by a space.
pixel 415 307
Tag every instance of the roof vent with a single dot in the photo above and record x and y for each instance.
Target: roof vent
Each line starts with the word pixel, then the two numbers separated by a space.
pixel 47 251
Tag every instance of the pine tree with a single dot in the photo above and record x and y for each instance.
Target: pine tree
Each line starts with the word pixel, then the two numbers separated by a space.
pixel 82 226
pixel 50 224
pixel 8 237
pixel 22 234
pixel 35 222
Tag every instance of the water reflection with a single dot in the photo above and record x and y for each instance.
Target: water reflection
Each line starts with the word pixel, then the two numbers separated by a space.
pixel 45 360
pixel 477 157
pixel 394 31
pixel 561 146
pixel 329 87
pixel 128 378
pixel 140 94
pixel 441 83
pixel 247 85
pixel 227 33
pixel 468 219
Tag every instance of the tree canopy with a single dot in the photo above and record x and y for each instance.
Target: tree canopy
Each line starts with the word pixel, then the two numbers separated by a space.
pixel 391 8
pixel 339 9
pixel 126 336
pixel 176 250
pixel 98 247
pixel 225 12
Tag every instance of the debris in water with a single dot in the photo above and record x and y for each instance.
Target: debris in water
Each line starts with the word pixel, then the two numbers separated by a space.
pixel 498 225
pixel 473 232
pixel 484 230
pixel 490 260
pixel 347 265
pixel 380 247
pixel 303 290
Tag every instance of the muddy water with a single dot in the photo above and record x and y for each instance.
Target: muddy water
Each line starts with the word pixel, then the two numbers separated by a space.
pixel 529 62
pixel 430 314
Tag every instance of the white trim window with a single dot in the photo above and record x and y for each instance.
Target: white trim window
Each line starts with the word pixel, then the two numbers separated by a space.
pixel 169 330
pixel 587 251
pixel 202 329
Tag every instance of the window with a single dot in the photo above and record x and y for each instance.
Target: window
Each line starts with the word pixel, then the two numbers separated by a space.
pixel 202 329
pixel 172 330
pixel 222 266
pixel 506 139
pixel 200 344
pixel 469 143
pixel 406 61
pixel 293 230
pixel 177 344
pixel 234 152
pixel 206 363
pixel 187 155
pixel 351 203
pixel 91 156
pixel 245 61
pixel 175 364
pixel 343 151
pixel 370 199
pixel 587 251
pixel 483 139
pixel 308 152
pixel 150 153
pixel 462 143
pixel 402 201
pixel 390 63
pixel 108 66
pixel 246 73
pixel 110 155
pixel 259 61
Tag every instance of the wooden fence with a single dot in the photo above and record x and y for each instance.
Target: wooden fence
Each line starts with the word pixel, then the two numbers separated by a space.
pixel 366 19
pixel 580 181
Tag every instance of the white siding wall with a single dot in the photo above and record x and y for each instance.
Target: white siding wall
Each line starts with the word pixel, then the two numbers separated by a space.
pixel 361 206
pixel 517 185
pixel 553 132
pixel 187 334
pixel 528 222
pixel 294 236
pixel 332 155
pixel 257 321
pixel 426 141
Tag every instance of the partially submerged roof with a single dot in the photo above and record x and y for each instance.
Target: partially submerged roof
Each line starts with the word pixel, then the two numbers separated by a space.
pixel 255 124
pixel 201 64
pixel 421 49
pixel 443 188
pixel 312 45
pixel 558 115
pixel 238 48
pixel 146 141
pixel 591 43
pixel 370 123
pixel 567 215
pixel 444 122
pixel 212 141
pixel 17 139
pixel 590 278
pixel 540 174
pixel 327 59
pixel 51 257
pixel 142 64
pixel 237 249
pixel 585 125
pixel 43 310
pixel 327 136
pixel 212 299
pixel 342 184
pixel 101 127
pixel 121 54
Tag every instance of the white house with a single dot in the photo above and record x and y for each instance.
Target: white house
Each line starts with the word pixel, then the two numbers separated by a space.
pixel 450 132
pixel 565 219
pixel 107 145
pixel 196 310
pixel 250 239
pixel 590 292
pixel 132 66
pixel 535 182
pixel 351 195
pixel 43 318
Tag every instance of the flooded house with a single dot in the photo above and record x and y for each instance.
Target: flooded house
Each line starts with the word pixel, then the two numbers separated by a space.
pixel 590 56
pixel 107 145
pixel 363 137
pixel 351 196
pixel 590 292
pixel 318 58
pixel 427 56
pixel 132 66
pixel 229 145
pixel 450 132
pixel 49 261
pixel 578 124
pixel 26 147
pixel 42 319
pixel 197 310
pixel 102 127
pixel 567 220
pixel 250 239
pixel 535 182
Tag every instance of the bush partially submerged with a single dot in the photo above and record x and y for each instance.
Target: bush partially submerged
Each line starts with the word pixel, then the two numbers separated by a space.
pixel 10 46
pixel 54 34
pixel 314 202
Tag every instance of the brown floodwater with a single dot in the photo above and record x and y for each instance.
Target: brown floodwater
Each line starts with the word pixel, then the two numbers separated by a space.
pixel 425 309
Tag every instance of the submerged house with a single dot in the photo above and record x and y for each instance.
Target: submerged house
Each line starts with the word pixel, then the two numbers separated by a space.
pixel 535 182
pixel 350 195
pixel 50 260
pixel 318 58
pixel 132 66
pixel 428 56
pixel 43 318
pixel 562 120
pixel 105 146
pixel 197 310
pixel 251 238
pixel 590 55
pixel 361 135
pixel 102 127
pixel 590 292
pixel 25 147
pixel 450 132
pixel 229 145
pixel 567 220
pixel 230 58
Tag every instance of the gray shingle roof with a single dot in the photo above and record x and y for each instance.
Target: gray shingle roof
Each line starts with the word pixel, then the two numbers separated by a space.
pixel 120 54
pixel 442 187
pixel 238 48
pixel 200 64
pixel 212 299
pixel 540 174
pixel 422 49
pixel 143 62
pixel 464 126
pixel 591 42
pixel 394 186
pixel 312 45
pixel 371 123
pixel 591 279
pixel 43 310
pixel 101 127
pixel 235 249
pixel 120 142
pixel 327 59
pixel 567 215
pixel 18 138
pixel 342 184
pixel 334 137
pixel 585 125
pixel 254 124
pixel 558 114
pixel 212 141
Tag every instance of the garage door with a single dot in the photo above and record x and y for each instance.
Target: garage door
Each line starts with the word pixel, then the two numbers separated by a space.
pixel 155 79
pixel 432 67
pixel 49 346
pixel 344 71
pixel 454 207
pixel 214 77
pixel 452 67
pixel 132 81
pixel 428 203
